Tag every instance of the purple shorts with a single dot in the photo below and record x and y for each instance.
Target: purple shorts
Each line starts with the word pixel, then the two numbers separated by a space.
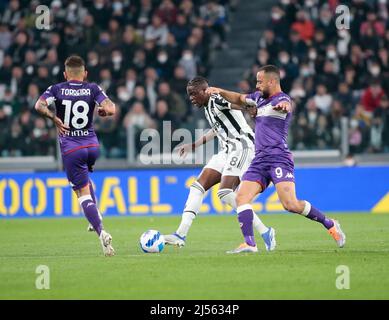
pixel 275 171
pixel 78 164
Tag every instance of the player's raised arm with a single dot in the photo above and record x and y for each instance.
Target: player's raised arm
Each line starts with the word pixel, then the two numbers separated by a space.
pixel 42 107
pixel 231 96
pixel 106 108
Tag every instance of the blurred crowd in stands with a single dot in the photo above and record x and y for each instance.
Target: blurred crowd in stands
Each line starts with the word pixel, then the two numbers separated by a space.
pixel 331 72
pixel 143 52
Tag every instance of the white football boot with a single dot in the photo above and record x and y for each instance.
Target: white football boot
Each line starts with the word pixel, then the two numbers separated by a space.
pixel 337 233
pixel 269 237
pixel 106 240
pixel 244 247
pixel 175 240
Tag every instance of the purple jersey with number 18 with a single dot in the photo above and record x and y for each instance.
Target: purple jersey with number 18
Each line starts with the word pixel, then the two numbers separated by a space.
pixel 75 102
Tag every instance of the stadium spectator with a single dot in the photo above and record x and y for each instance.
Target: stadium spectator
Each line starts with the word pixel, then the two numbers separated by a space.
pixel 304 26
pixel 376 133
pixel 92 66
pixel 32 96
pixel 150 84
pixel 17 144
pixel 179 81
pixel 164 64
pixel 181 30
pixel 188 63
pixel 12 14
pixel 176 104
pixel 335 123
pixel 138 119
pixel 322 99
pixel 167 11
pixel 17 83
pixel 270 43
pixel 355 137
pixel 163 114
pixel 322 134
pixel 382 112
pixel 90 31
pixel 213 18
pixel 263 57
pixel 279 23
pixel 157 31
pixel 296 46
pixel 108 128
pixel 5 37
pixel 371 96
pixel 372 23
pixel 344 97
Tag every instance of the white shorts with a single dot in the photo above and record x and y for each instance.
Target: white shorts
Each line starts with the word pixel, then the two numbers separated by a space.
pixel 234 163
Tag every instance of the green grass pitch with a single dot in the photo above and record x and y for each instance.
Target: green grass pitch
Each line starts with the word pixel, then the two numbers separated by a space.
pixel 302 267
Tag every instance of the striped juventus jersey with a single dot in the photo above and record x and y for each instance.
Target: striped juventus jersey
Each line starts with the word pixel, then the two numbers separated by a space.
pixel 230 125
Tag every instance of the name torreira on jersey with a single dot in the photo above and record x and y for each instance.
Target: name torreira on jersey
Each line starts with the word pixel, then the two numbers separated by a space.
pixel 76 92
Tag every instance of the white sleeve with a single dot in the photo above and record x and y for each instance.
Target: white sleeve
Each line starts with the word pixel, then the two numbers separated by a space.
pixel 221 103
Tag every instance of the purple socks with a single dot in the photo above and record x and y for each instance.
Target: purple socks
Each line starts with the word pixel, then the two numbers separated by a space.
pixel 92 192
pixel 91 213
pixel 314 214
pixel 245 217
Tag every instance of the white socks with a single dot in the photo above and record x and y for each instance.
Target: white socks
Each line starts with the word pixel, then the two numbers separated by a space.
pixel 307 208
pixel 229 196
pixel 192 207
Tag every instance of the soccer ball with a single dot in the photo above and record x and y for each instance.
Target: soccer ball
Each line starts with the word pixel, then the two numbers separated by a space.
pixel 152 241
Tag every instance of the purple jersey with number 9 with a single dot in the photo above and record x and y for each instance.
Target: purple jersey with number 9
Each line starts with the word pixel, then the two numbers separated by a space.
pixel 75 102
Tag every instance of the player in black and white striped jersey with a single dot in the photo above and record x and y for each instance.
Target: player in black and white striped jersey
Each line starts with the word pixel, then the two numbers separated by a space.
pixel 236 139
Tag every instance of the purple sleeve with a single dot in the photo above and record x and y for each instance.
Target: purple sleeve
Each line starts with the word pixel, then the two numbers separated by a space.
pixel 283 98
pixel 253 96
pixel 99 94
pixel 48 95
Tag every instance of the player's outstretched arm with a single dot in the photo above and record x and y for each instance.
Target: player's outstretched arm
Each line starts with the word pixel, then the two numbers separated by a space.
pixel 231 96
pixel 184 149
pixel 42 107
pixel 106 108
pixel 284 107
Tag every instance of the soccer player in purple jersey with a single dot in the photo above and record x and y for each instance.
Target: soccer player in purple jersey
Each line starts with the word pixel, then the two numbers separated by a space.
pixel 273 162
pixel 75 101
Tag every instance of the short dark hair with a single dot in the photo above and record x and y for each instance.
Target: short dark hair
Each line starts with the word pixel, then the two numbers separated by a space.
pixel 74 62
pixel 197 81
pixel 271 69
